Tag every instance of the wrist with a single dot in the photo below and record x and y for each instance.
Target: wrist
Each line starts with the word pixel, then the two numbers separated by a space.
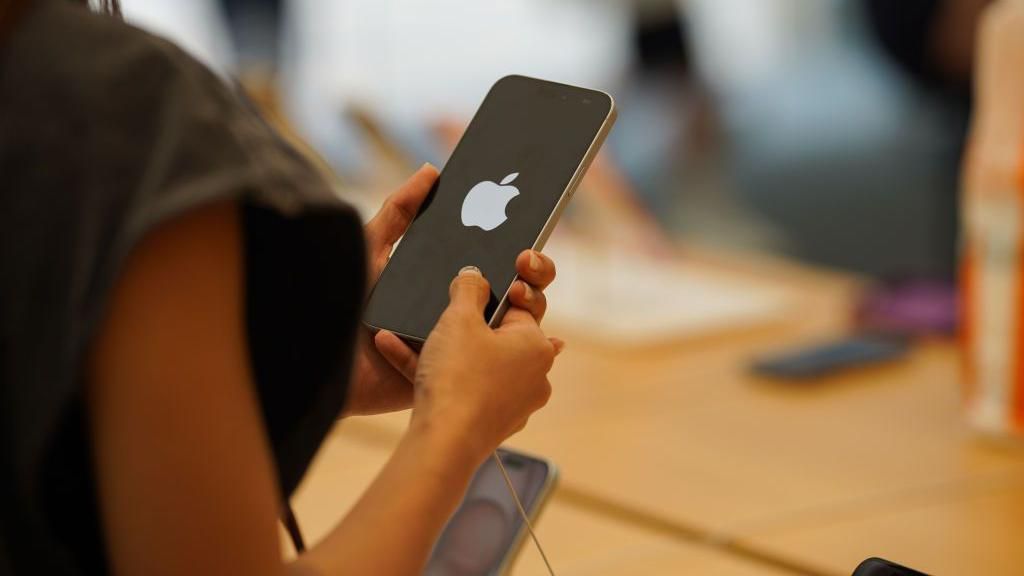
pixel 452 447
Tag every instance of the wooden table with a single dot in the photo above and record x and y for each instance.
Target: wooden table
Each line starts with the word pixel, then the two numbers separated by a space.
pixel 579 541
pixel 972 527
pixel 680 441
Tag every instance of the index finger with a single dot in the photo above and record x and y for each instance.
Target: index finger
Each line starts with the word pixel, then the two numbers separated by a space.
pixel 535 269
pixel 402 206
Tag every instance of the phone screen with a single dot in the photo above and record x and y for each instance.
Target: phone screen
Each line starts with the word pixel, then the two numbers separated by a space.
pixel 485 528
pixel 491 201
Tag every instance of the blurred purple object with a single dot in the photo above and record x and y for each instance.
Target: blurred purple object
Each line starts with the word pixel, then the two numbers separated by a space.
pixel 913 307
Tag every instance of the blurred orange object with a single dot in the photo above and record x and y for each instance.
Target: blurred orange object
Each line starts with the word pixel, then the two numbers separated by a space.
pixel 993 251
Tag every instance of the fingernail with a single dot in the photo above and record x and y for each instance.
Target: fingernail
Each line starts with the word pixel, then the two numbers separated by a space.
pixel 527 292
pixel 427 165
pixel 534 262
pixel 470 270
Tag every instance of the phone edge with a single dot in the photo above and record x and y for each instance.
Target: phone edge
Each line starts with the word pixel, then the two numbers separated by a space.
pixel 414 342
pixel 563 200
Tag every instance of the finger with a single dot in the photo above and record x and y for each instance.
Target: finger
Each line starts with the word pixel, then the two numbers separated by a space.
pixel 535 268
pixel 519 427
pixel 518 318
pixel 558 344
pixel 401 207
pixel 470 291
pixel 397 353
pixel 544 394
pixel 522 295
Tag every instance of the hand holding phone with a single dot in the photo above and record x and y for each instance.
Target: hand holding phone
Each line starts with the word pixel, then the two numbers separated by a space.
pixel 382 384
pixel 479 383
pixel 501 192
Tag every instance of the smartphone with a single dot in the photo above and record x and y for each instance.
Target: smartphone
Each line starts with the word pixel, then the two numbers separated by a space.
pixel 501 192
pixel 824 359
pixel 879 567
pixel 486 532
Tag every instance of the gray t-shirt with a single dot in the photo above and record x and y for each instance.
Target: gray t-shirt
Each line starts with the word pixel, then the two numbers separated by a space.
pixel 105 133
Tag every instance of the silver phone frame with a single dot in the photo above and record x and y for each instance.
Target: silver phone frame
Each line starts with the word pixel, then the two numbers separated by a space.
pixel 553 218
pixel 563 200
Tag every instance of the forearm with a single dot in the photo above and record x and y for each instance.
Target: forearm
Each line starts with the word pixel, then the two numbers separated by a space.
pixel 392 528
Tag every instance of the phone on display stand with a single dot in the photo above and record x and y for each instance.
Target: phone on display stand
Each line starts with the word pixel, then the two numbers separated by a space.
pixel 485 534
pixel 880 567
pixel 501 192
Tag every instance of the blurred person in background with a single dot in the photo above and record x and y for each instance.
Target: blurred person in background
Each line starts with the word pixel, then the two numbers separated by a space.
pixel 255 27
pixel 179 325
pixel 933 40
pixel 853 163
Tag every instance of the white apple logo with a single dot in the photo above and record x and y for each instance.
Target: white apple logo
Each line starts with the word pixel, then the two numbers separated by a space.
pixel 485 203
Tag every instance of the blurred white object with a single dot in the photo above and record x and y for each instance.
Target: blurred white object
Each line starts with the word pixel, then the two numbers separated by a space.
pixel 993 198
pixel 628 298
pixel 195 25
pixel 415 59
pixel 742 43
pixel 411 63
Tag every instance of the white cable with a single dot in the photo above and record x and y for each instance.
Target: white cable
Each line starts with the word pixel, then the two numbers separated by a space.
pixel 522 512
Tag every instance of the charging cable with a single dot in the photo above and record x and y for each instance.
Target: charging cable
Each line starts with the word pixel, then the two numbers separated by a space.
pixel 522 512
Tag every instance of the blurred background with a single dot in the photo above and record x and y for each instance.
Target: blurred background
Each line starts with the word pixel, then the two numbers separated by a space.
pixel 828 130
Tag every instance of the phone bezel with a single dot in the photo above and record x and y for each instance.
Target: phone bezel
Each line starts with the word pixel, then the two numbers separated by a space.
pixel 556 213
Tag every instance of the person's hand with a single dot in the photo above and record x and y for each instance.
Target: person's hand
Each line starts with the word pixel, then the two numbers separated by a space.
pixel 536 271
pixel 477 384
pixel 376 385
pixel 384 371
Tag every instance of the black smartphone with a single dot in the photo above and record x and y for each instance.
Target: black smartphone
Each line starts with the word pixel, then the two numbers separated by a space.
pixel 486 532
pixel 824 359
pixel 501 192
pixel 879 567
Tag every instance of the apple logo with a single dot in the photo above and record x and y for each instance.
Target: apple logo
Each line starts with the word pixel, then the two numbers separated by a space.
pixel 485 203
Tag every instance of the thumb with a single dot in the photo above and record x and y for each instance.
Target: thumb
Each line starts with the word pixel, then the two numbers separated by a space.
pixel 470 290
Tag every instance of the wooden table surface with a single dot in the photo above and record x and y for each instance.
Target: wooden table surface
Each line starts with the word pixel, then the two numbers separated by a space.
pixel 578 541
pixel 681 442
pixel 974 527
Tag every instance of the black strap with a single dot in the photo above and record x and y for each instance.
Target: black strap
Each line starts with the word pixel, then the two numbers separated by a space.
pixel 292 526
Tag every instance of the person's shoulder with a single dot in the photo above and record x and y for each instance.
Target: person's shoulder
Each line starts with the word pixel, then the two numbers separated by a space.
pixel 98 61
